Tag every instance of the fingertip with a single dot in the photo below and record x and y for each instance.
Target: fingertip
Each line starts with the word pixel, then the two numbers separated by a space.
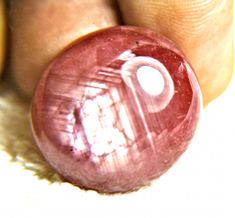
pixel 202 29
pixel 42 29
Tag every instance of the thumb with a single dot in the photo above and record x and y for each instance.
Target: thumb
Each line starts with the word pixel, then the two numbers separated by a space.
pixel 202 29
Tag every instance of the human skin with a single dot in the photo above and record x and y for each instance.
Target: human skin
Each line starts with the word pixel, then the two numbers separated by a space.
pixel 202 29
pixel 2 34
pixel 42 29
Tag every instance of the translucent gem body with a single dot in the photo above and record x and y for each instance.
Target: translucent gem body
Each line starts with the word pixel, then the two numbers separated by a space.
pixel 97 121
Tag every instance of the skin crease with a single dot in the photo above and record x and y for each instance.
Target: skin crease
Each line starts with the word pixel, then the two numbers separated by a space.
pixel 2 34
pixel 202 29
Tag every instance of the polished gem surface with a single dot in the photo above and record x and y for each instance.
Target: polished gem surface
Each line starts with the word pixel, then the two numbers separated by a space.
pixel 116 109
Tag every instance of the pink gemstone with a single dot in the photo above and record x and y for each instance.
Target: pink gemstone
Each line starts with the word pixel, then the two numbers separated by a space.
pixel 116 109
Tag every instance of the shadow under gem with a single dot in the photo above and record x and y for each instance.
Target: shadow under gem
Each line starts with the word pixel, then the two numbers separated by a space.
pixel 16 137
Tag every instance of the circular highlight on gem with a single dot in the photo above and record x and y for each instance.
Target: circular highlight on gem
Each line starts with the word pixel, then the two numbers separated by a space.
pixel 116 109
pixel 150 80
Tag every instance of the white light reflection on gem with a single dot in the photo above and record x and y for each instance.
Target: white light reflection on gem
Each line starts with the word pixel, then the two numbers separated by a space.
pixel 106 141
pixel 127 55
pixel 95 88
pixel 126 123
pixel 100 123
pixel 78 143
pixel 159 75
pixel 151 80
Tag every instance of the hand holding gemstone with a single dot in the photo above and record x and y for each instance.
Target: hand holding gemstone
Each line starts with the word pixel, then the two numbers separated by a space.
pixel 202 29
pixel 116 109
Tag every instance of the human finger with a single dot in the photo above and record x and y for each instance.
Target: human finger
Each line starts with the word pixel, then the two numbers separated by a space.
pixel 202 29
pixel 42 29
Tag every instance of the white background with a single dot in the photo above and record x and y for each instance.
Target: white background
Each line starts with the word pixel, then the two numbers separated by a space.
pixel 201 184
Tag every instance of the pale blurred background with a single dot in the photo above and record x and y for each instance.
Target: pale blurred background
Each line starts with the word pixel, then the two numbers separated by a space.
pixel 199 185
